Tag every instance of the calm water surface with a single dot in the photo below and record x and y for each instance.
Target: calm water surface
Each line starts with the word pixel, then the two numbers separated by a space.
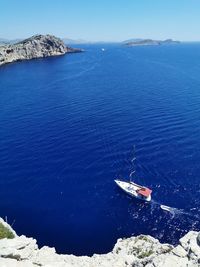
pixel 68 126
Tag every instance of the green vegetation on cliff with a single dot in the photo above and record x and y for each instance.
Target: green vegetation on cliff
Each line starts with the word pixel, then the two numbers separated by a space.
pixel 5 232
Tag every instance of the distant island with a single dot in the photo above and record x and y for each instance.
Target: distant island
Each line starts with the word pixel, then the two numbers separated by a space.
pixel 37 46
pixel 143 42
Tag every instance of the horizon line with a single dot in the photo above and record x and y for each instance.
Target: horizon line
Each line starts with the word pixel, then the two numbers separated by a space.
pixel 82 40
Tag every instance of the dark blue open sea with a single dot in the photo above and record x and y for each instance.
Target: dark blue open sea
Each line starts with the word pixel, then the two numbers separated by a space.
pixel 67 130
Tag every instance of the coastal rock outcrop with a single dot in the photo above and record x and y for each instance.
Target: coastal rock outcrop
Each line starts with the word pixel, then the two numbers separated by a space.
pixel 37 46
pixel 139 251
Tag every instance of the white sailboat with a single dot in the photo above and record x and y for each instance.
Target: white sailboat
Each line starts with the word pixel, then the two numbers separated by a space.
pixel 133 189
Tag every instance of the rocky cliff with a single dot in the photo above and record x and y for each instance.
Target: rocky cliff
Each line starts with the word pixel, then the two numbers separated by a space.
pixel 35 47
pixel 140 251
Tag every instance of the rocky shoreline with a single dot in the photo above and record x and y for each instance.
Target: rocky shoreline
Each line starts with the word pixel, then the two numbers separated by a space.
pixel 37 46
pixel 139 251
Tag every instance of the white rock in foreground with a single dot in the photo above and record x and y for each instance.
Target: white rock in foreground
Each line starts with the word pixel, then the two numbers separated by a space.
pixel 137 251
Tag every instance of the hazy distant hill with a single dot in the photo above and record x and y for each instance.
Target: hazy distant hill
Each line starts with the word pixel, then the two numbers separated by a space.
pixel 72 41
pixel 4 41
pixel 82 41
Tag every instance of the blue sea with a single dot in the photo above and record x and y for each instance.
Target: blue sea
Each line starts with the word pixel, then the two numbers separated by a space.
pixel 70 125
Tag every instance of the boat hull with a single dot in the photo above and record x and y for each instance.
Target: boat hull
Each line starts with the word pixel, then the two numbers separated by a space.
pixel 131 189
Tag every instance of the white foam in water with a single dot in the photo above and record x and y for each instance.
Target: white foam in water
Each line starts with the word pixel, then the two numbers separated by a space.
pixel 167 208
pixel 176 211
pixel 172 210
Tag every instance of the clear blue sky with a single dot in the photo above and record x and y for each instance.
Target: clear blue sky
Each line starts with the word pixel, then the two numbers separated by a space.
pixel 107 20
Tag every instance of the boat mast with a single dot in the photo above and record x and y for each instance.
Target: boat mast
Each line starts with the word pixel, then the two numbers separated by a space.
pixel 133 164
pixel 130 176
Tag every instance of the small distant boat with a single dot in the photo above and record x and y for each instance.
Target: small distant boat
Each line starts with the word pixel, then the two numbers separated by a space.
pixel 103 49
pixel 135 190
pixel 165 207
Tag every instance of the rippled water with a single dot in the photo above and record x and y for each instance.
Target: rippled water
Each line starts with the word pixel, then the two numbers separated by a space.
pixel 68 127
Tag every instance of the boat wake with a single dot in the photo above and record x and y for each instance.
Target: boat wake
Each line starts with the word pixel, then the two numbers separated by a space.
pixel 175 212
pixel 172 210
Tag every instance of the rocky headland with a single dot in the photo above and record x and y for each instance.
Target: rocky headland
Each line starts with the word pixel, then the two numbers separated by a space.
pixel 139 251
pixel 143 42
pixel 37 46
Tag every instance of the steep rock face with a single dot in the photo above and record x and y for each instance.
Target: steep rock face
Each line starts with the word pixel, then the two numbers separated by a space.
pixel 35 47
pixel 140 251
